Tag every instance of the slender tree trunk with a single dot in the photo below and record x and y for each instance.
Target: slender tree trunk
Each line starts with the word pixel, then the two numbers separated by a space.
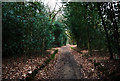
pixel 43 46
pixel 107 37
pixel 88 43
pixel 87 29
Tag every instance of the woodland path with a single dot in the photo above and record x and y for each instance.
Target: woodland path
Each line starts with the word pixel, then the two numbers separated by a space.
pixel 66 66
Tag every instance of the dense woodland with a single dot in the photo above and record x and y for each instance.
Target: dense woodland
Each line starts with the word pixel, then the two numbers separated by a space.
pixel 94 25
pixel 30 27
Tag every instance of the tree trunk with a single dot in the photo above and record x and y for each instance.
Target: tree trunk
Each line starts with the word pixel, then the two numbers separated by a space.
pixel 43 46
pixel 106 32
pixel 87 29
pixel 116 34
pixel 88 43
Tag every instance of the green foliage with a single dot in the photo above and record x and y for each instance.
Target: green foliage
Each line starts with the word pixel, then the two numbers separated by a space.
pixel 84 22
pixel 76 50
pixel 111 19
pixel 53 55
pixel 92 30
pixel 59 34
pixel 109 13
pixel 26 27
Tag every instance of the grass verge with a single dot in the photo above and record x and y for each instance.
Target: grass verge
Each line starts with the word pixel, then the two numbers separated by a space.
pixel 76 50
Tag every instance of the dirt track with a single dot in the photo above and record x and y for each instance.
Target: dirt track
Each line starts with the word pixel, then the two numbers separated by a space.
pixel 66 66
